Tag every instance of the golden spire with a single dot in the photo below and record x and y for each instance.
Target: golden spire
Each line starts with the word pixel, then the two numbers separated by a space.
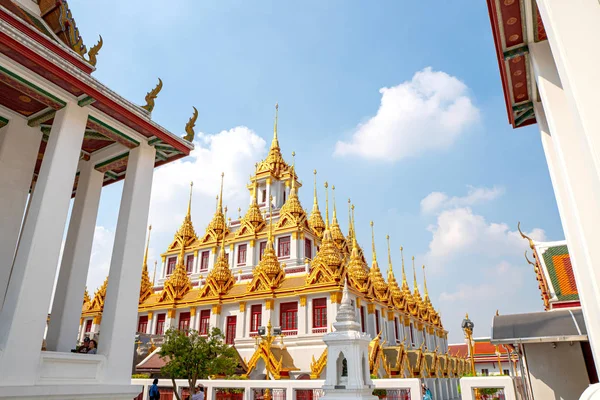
pixel 395 292
pixel 186 231
pixel 334 219
pixel 350 231
pixel 404 281
pixel 145 285
pixel 326 206
pixel 387 237
pixel 336 232
pixel 416 287
pixel 373 243
pixel 86 296
pixel 154 275
pixel 189 210
pixel 425 285
pixel 275 142
pixel 220 205
pixel 316 220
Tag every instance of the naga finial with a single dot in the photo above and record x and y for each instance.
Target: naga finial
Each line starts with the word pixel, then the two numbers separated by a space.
pixel 528 260
pixel 94 52
pixel 151 95
pixel 524 236
pixel 189 127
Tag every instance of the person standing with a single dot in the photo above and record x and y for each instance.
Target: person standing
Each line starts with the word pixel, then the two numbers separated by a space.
pixel 199 393
pixel 153 393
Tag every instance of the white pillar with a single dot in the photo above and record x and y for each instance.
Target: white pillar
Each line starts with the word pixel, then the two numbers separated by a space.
pixel 120 310
pixel 303 324
pixel 19 146
pixel 30 289
pixel 66 308
pixel 581 217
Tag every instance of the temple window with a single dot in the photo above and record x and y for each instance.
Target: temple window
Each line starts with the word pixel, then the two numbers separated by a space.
pixel 242 254
pixel 204 322
pixel 88 326
pixel 204 260
pixel 283 247
pixel 160 324
pixel 255 317
pixel 307 249
pixel 189 263
pixel 376 322
pixel 184 322
pixel 320 313
pixel 231 328
pixel 142 324
pixel 171 265
pixel 396 328
pixel 425 338
pixel 288 316
pixel 261 249
pixel 264 196
pixel 284 197
pixel 412 335
pixel 363 326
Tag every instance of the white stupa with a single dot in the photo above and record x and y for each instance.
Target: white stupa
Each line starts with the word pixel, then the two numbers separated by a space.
pixel 347 375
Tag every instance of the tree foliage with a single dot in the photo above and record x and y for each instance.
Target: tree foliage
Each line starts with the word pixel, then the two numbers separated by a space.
pixel 188 355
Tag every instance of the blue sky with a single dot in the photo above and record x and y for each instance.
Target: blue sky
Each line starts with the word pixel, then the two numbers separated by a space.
pixel 443 131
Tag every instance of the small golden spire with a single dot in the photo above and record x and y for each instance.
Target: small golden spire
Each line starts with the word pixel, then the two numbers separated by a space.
pixel 217 203
pixel 425 283
pixel 373 243
pixel 416 287
pixel 326 206
pixel 333 199
pixel 145 264
pixel 404 282
pixel 315 202
pixel 275 142
pixel 387 237
pixel 220 198
pixel 189 210
pixel 353 222
pixel 350 232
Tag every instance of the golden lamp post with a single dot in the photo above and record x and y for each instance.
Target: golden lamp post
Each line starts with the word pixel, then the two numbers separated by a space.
pixel 499 362
pixel 467 326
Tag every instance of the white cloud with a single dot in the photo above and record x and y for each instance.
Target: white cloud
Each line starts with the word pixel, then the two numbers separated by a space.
pixel 233 152
pixel 460 231
pixel 501 280
pixel 102 247
pixel 428 112
pixel 436 201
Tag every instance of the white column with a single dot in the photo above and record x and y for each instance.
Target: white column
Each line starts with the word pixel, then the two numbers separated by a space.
pixel 303 324
pixel 66 308
pixel 30 289
pixel 573 29
pixel 579 212
pixel 19 145
pixel 120 310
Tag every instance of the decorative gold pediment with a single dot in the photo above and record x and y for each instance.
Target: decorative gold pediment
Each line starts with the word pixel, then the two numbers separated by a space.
pixel 317 366
pixel 99 296
pixel 178 284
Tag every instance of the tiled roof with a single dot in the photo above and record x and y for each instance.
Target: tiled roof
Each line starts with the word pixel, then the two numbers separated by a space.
pixel 560 271
pixel 458 350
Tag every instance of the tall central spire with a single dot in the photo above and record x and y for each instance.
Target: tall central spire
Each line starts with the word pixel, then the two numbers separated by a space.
pixel 275 142
pixel 425 285
pixel 404 281
pixel 373 244
pixel 315 202
pixel 220 205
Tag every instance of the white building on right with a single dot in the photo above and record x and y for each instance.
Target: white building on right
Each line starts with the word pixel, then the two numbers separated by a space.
pixel 548 56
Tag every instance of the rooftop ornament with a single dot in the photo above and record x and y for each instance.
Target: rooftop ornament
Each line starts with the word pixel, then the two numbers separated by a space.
pixel 467 326
pixel 151 95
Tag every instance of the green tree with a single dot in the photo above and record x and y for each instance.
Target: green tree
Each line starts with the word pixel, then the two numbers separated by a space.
pixel 188 355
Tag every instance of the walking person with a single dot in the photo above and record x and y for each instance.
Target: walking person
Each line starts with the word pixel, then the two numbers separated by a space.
pixel 426 392
pixel 199 393
pixel 153 393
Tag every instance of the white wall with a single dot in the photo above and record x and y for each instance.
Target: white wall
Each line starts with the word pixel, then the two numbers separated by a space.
pixel 556 373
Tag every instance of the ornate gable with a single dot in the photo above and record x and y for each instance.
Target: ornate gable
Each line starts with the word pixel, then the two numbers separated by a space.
pixel 86 297
pixel 178 284
pixel 315 220
pixel 253 222
pixel 394 292
pixel 99 296
pixel 336 232
pixel 292 215
pixel 380 288
pixel 219 279
pixel 217 228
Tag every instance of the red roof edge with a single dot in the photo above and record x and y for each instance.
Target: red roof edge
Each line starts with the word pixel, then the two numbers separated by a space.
pixel 500 57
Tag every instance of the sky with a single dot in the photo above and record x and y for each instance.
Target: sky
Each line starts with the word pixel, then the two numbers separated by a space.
pixel 398 104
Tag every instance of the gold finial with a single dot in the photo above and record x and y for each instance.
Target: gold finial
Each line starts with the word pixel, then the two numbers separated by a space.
pixel 387 237
pixel 334 219
pixel 220 197
pixel 275 142
pixel 404 282
pixel 94 52
pixel 189 127
pixel 373 242
pixel 497 313
pixel 217 203
pixel 326 206
pixel 467 316
pixel 154 276
pixel 524 236
pixel 189 210
pixel 315 203
pixel 425 283
pixel 145 264
pixel 151 96
pixel 415 274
